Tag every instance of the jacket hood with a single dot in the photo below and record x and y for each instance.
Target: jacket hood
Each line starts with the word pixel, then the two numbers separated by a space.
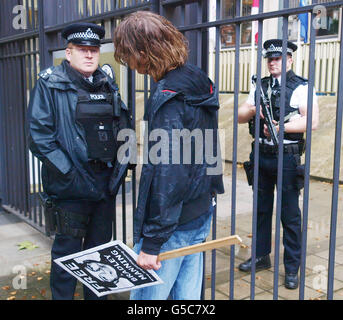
pixel 192 83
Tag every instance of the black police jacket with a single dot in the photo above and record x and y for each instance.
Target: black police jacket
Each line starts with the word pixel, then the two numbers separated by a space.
pixel 184 99
pixel 59 142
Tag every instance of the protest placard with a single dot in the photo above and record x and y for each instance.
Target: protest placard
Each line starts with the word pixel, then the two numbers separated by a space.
pixel 108 268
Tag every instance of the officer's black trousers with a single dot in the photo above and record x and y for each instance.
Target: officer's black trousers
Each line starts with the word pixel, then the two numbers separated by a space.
pixel 290 211
pixel 99 231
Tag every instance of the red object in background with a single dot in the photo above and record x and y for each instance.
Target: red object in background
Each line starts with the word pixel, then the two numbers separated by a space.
pixel 254 10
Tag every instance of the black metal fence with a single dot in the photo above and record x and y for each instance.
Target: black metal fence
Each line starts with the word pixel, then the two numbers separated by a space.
pixel 27 47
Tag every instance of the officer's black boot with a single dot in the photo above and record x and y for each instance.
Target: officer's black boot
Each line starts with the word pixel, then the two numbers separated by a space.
pixel 291 281
pixel 262 263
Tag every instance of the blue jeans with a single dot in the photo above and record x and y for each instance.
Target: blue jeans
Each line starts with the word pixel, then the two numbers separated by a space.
pixel 182 276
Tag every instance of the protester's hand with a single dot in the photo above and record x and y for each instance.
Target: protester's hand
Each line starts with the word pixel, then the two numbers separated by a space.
pixel 148 261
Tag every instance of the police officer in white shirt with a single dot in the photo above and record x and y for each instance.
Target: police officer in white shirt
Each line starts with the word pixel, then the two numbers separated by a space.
pixel 294 128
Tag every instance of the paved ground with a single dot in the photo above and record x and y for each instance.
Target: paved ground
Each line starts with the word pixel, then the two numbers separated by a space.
pixel 24 274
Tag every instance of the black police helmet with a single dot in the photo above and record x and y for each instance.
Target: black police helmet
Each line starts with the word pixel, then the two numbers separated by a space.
pixel 85 34
pixel 273 48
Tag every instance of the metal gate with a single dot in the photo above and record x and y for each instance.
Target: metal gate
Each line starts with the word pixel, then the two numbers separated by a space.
pixel 30 33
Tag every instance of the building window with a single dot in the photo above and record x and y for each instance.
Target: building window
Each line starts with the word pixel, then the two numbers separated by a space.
pixel 228 8
pixel 227 35
pixel 228 32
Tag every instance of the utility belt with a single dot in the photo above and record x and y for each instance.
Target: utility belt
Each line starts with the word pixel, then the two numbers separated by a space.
pixel 293 148
pixel 60 221
pixel 99 165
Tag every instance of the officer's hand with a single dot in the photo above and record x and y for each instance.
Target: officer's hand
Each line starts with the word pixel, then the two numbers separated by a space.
pixel 252 111
pixel 261 114
pixel 148 261
pixel 266 131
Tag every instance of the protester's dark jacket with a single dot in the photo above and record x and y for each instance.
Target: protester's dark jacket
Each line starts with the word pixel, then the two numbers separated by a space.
pixel 59 141
pixel 184 99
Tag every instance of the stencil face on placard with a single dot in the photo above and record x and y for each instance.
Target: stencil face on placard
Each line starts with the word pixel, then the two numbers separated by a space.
pixel 109 268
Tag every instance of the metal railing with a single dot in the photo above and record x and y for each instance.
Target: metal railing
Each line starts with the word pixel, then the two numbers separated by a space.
pixel 326 59
pixel 25 49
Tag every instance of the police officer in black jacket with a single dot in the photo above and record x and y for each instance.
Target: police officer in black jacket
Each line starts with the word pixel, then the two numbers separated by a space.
pixel 294 127
pixel 74 115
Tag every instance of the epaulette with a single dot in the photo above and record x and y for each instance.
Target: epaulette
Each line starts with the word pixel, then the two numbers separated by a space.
pixel 301 78
pixel 295 81
pixel 45 74
pixel 254 78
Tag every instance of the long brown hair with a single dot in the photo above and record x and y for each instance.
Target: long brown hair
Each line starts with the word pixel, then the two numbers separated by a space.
pixel 164 47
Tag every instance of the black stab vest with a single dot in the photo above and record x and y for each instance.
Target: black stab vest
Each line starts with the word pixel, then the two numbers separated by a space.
pixel 292 82
pixel 94 112
pixel 98 112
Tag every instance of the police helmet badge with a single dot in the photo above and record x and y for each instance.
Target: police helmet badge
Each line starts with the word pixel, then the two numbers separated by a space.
pixel 109 71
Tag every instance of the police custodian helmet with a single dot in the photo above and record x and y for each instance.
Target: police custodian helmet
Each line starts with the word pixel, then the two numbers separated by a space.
pixel 85 34
pixel 273 48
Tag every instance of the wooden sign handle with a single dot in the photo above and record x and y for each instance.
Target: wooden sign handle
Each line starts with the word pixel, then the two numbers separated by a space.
pixel 209 245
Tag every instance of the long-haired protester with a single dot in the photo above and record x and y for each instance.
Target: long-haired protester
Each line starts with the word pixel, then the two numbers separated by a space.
pixel 184 171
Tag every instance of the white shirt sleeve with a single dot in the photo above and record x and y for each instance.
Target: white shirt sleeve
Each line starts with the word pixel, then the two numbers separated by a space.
pixel 251 97
pixel 299 96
